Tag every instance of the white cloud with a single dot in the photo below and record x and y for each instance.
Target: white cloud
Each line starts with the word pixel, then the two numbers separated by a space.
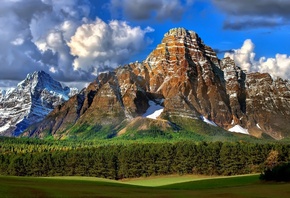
pixel 52 70
pixel 52 30
pixel 47 35
pixel 245 58
pixel 34 35
pixel 99 44
pixel 278 66
pixel 18 41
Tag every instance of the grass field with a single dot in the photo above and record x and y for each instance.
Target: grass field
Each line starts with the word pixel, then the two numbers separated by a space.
pixel 169 186
pixel 159 181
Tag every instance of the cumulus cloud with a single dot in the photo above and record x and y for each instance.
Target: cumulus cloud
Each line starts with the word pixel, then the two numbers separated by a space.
pixel 255 13
pixel 33 36
pixel 47 35
pixel 278 66
pixel 245 58
pixel 98 44
pixel 146 9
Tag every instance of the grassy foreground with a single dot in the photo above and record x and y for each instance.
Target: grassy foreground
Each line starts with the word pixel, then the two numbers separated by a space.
pixel 240 186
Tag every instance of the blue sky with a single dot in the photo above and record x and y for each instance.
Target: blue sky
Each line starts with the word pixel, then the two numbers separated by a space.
pixel 74 40
pixel 208 20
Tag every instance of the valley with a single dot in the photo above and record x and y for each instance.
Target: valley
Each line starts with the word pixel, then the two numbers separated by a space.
pixel 144 98
pixel 180 112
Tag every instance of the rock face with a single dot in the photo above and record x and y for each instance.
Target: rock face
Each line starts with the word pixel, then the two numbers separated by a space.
pixel 184 76
pixel 268 104
pixel 31 101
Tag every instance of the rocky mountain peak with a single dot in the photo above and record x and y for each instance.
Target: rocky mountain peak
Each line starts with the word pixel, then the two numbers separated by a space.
pixel 37 76
pixel 40 80
pixel 32 99
pixel 180 45
pixel 184 78
pixel 181 33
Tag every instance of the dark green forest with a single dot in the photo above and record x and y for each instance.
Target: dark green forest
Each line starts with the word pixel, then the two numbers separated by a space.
pixel 33 157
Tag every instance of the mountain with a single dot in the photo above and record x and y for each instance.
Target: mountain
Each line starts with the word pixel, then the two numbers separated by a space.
pixel 181 82
pixel 31 101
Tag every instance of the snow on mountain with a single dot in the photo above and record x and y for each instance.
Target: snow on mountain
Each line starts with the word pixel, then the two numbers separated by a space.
pixel 33 98
pixel 154 110
pixel 208 121
pixel 4 128
pixel 239 129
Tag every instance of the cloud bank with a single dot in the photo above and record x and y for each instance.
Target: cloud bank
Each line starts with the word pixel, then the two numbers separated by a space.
pixel 255 13
pixel 99 44
pixel 245 58
pixel 33 36
pixel 59 38
pixel 150 9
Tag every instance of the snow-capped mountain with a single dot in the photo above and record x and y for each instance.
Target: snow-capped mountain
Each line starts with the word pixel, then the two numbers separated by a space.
pixel 181 79
pixel 30 102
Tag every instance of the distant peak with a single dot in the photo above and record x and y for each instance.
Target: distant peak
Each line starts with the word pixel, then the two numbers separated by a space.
pixel 180 43
pixel 38 74
pixel 38 79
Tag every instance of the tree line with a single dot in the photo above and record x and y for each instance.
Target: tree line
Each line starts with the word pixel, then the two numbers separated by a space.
pixel 137 160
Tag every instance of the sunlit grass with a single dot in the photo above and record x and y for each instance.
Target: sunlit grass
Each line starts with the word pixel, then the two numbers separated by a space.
pixel 164 180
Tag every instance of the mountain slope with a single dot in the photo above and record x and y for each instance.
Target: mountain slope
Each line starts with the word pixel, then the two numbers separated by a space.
pixel 186 78
pixel 31 101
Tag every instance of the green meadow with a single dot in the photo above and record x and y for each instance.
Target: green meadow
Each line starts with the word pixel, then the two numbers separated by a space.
pixel 167 186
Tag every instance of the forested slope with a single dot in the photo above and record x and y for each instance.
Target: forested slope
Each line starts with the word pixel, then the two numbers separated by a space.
pixel 137 159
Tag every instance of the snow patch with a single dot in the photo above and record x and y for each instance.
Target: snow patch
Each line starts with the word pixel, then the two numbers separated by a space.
pixel 239 129
pixel 153 111
pixel 208 121
pixel 164 82
pixel 234 95
pixel 4 128
pixel 202 62
pixel 21 83
pixel 9 91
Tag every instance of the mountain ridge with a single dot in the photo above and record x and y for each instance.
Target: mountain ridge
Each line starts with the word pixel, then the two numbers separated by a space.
pixel 190 80
pixel 30 102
